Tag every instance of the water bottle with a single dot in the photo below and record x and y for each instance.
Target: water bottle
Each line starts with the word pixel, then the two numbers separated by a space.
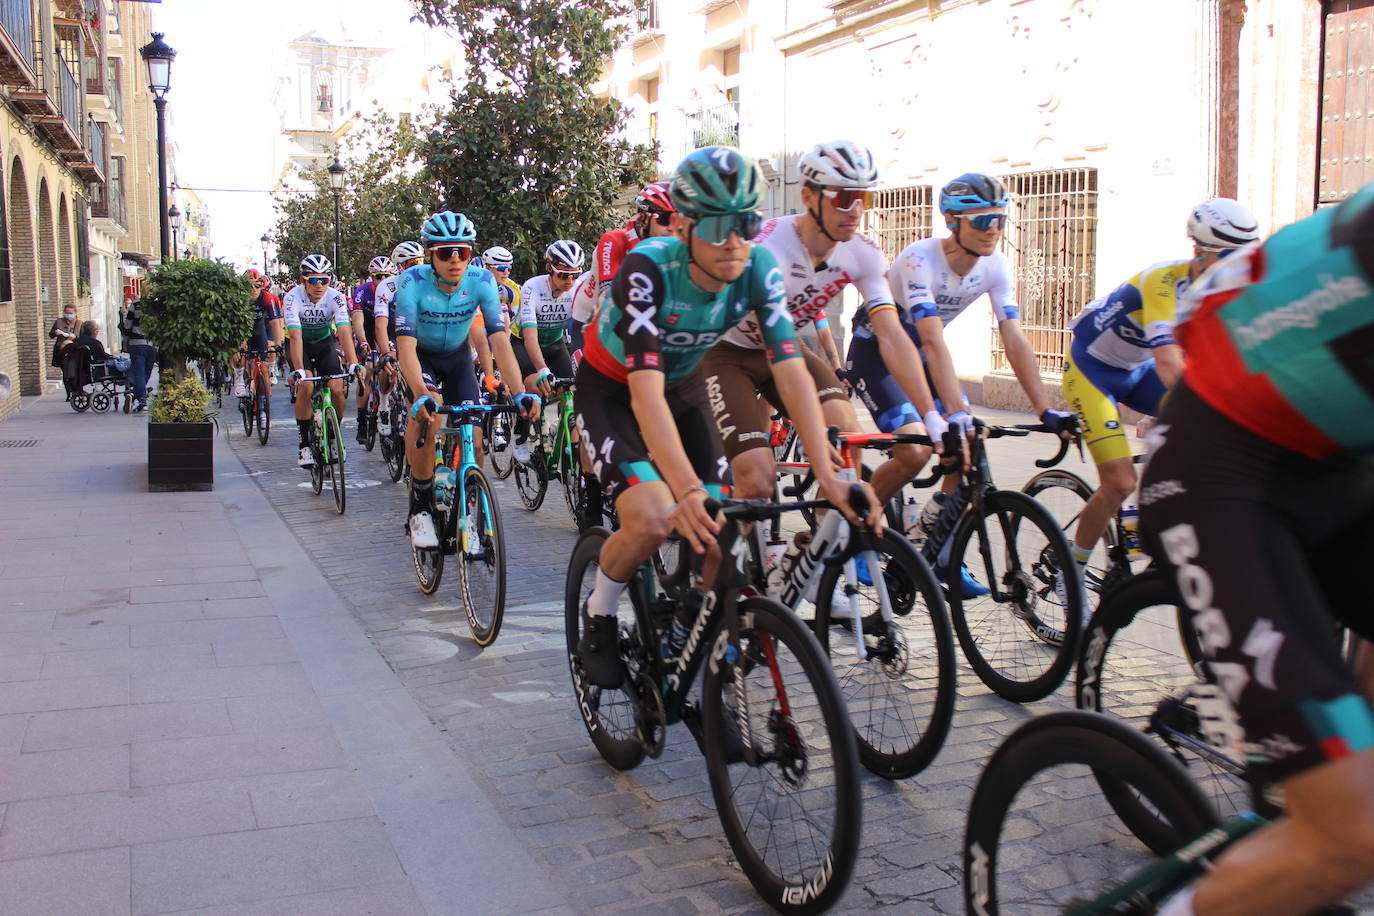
pixel 1130 525
pixel 911 522
pixel 773 554
pixel 684 617
pixel 443 487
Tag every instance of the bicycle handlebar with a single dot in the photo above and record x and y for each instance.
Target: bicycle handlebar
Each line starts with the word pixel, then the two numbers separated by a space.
pixel 460 410
pixel 1025 429
pixel 755 510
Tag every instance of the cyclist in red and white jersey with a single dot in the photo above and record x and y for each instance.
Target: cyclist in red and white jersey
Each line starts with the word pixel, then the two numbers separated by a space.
pixel 653 214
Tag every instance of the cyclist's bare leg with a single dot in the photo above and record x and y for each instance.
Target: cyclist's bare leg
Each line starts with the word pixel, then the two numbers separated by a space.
pixel 303 392
pixel 643 512
pixel 906 463
pixel 1117 481
pixel 336 392
pixel 1320 851
pixel 422 458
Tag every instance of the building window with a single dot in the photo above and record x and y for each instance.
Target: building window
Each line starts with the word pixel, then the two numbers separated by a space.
pixel 729 72
pixel 324 93
pixel 1051 241
pixel 899 217
pixel 83 242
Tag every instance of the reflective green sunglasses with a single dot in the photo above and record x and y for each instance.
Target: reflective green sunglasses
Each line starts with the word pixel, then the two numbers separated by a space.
pixel 715 230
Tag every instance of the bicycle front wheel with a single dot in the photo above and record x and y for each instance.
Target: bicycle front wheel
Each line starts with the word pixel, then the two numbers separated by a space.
pixel 1064 845
pixel 335 458
pixel 317 452
pixel 1020 639
pixel 498 430
pixel 792 815
pixel 901 696
pixel 394 446
pixel 482 559
pixel 246 410
pixel 574 485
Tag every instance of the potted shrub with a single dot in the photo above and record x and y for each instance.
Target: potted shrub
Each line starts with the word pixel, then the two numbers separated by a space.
pixel 193 310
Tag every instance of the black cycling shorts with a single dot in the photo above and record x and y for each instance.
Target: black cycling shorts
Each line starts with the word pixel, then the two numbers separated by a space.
pixel 610 434
pixel 451 375
pixel 556 357
pixel 321 358
pixel 1268 547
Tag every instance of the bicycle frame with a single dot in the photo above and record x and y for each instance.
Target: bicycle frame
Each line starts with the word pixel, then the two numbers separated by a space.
pixel 464 418
pixel 322 405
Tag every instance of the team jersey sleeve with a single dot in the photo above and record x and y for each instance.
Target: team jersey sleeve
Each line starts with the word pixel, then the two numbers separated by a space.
pixel 583 307
pixel 407 304
pixel 638 290
pixel 273 307
pixel 290 313
pixel 911 283
pixel 1000 289
pixel 359 298
pixel 341 309
pixel 768 300
pixel 1159 303
pixel 527 319
pixel 871 279
pixel 386 291
pixel 489 305
pixel 610 251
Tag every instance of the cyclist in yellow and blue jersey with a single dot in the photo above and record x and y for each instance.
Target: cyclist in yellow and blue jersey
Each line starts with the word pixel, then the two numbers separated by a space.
pixel 499 260
pixel 1123 351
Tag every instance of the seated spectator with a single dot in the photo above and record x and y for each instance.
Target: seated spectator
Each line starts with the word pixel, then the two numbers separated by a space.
pixel 90 339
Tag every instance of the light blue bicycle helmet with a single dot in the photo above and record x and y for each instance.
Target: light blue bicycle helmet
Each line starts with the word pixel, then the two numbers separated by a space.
pixel 448 228
pixel 972 191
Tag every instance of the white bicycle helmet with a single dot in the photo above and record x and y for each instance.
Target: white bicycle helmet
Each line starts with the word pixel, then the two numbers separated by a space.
pixel 316 264
pixel 1222 223
pixel 565 254
pixel 498 257
pixel 381 264
pixel 839 164
pixel 407 251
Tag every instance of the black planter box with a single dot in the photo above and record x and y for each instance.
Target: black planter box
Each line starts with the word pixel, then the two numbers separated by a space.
pixel 181 456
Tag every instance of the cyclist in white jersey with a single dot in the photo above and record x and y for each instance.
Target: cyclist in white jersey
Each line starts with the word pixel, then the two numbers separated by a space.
pixel 545 307
pixel 317 315
pixel 819 252
pixel 585 296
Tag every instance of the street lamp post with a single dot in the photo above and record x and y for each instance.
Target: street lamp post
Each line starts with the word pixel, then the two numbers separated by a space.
pixel 158 55
pixel 265 270
pixel 336 183
pixel 174 217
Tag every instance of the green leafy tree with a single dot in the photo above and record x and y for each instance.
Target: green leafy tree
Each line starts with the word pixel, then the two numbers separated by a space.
pixel 525 149
pixel 196 310
pixel 385 196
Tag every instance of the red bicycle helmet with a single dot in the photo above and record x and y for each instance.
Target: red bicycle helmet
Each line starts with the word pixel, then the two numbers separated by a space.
pixel 654 199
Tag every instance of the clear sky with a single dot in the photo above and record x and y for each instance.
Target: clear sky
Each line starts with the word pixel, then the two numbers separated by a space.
pixel 220 105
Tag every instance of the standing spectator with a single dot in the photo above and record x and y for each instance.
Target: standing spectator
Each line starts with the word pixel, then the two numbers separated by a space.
pixel 90 339
pixel 63 332
pixel 142 355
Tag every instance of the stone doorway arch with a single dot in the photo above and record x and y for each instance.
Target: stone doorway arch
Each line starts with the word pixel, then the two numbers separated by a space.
pixel 30 334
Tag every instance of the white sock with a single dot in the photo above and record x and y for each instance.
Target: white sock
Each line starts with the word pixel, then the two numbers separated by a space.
pixel 605 596
pixel 1081 554
pixel 1180 904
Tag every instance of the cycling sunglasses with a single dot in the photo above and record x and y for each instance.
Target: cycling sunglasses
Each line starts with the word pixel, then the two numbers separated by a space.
pixel 715 230
pixel 317 281
pixel 406 265
pixel 846 198
pixel 566 274
pixel 663 219
pixel 445 252
pixel 501 267
pixel 380 276
pixel 985 221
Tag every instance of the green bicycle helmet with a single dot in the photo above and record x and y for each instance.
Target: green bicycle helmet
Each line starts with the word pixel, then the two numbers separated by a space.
pixel 716 180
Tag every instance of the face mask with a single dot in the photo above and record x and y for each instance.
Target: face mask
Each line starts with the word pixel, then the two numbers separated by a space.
pixel 70 316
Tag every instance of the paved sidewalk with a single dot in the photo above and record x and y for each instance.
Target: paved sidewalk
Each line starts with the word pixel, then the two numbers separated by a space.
pixel 191 719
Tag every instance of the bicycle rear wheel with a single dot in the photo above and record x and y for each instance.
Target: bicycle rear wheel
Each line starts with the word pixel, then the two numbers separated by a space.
pixel 1064 846
pixel 429 561
pixel 264 417
pixel 335 457
pixel 532 479
pixel 482 560
pixel 498 428
pixel 393 444
pixel 901 697
pixel 317 452
pixel 1064 494
pixel 611 716
pixel 246 412
pixel 1021 646
pixel 574 485
pixel 370 418
pixel 792 816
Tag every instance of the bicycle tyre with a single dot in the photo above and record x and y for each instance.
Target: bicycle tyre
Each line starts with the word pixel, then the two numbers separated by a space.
pixel 317 452
pixel 429 561
pixel 488 514
pixel 532 479
pixel 246 414
pixel 335 461
pixel 503 458
pixel 764 623
pixel 394 446
pixel 979 622
pixel 370 418
pixel 1064 494
pixel 264 417
pixel 613 737
pixel 1061 738
pixel 1118 610
pixel 892 666
pixel 574 485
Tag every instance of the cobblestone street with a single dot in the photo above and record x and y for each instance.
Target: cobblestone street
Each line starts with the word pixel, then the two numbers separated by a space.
pixel 617 840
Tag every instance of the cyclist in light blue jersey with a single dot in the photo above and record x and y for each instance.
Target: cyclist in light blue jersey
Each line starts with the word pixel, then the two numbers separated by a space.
pixel 436 304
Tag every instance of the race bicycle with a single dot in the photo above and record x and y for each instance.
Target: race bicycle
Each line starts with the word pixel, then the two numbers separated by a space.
pixel 467 520
pixel 554 455
pixel 256 406
pixel 326 441
pixel 778 744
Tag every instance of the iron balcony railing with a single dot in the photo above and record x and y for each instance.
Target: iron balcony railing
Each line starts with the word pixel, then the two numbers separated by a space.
pixel 71 96
pixel 113 90
pixel 16 18
pixel 95 143
pixel 715 126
